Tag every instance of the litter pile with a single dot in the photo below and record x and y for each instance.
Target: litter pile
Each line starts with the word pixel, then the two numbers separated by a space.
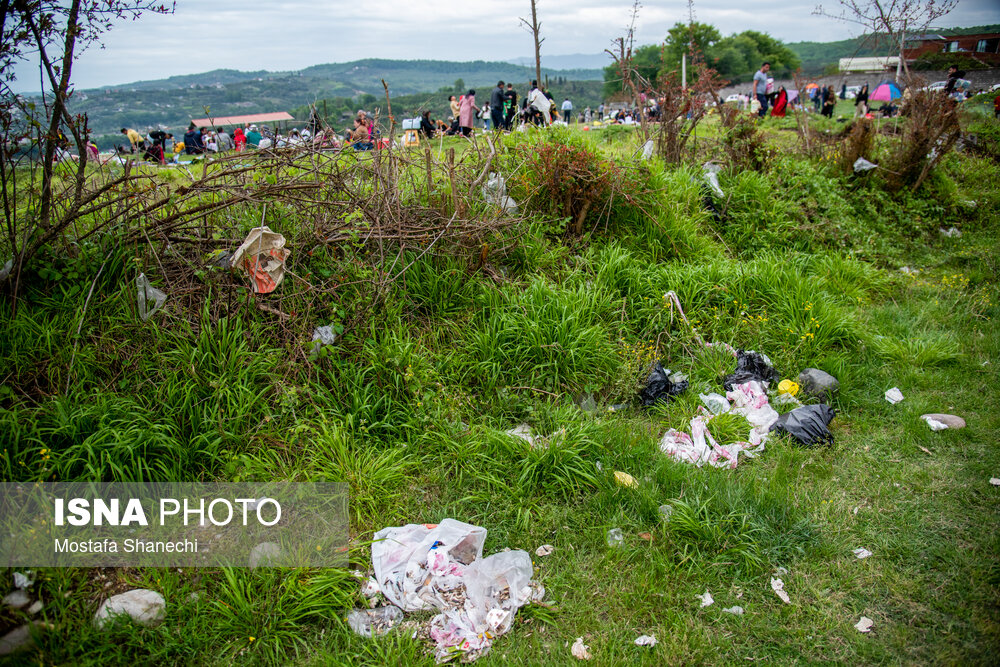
pixel 425 566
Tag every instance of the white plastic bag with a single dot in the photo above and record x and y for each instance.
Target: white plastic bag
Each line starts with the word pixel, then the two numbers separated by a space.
pixel 374 622
pixel 711 173
pixel 262 256
pixel 150 299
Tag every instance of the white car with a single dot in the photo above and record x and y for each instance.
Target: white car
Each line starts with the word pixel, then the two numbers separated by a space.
pixel 736 97
pixel 937 85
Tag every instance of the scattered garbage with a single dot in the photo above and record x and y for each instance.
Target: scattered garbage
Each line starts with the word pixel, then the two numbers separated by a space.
pixel 626 480
pixel 908 271
pixel 818 384
pixel 736 610
pixel 495 192
pixel 865 624
pixel 544 550
pixel 23 580
pixel 374 622
pixel 587 402
pixel 16 599
pixel 522 431
pixel 894 395
pixel 662 385
pixel 778 586
pixel 807 424
pixel 787 399
pixel 940 422
pixel 995 481
pixel 751 367
pixel 427 566
pixel 325 335
pixel 262 256
pixel 220 259
pixel 666 511
pixel 7 268
pixel 706 599
pixel 647 150
pixel 862 166
pixel 951 232
pixel 788 387
pixel 862 553
pixel 699 447
pixel 710 172
pixel 580 650
pixel 615 537
pixel 715 403
pixel 150 299
pixel 646 640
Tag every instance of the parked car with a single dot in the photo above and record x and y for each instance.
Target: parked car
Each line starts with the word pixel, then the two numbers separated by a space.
pixel 736 97
pixel 937 85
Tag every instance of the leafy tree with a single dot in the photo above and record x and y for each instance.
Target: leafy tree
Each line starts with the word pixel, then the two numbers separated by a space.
pixel 684 38
pixel 459 86
pixel 738 56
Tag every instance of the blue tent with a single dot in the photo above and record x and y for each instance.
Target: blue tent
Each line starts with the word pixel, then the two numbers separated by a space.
pixel 885 92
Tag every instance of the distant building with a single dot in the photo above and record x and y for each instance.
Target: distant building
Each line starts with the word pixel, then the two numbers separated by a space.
pixel 868 64
pixel 984 47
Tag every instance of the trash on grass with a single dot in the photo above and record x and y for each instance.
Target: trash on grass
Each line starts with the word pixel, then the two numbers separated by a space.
pixel 710 172
pixel 615 537
pixel 662 386
pixel 862 165
pixel 995 481
pixel 23 580
pixel 807 424
pixel 544 550
pixel 374 622
pixel 666 511
pixel 646 640
pixel 580 650
pixel 778 586
pixel 865 624
pixel 939 422
pixel 262 256
pixel 706 599
pixel 934 424
pixel 6 270
pixel 647 150
pixel 441 567
pixel 736 610
pixel 751 366
pixel 894 395
pixel 788 387
pixel 150 299
pixel 626 480
pixel 699 447
pixel 522 431
pixel 325 335
pixel 495 192
pixel 715 403
pixel 951 232
pixel 862 553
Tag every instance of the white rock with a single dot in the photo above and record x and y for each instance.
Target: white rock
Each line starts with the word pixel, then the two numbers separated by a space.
pixel 17 599
pixel 19 638
pixel 144 606
pixel 580 650
pixel 35 607
pixel 865 624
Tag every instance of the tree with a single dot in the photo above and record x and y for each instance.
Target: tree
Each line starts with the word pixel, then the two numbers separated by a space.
pixel 535 29
pixel 737 56
pixel 459 87
pixel 56 32
pixel 688 39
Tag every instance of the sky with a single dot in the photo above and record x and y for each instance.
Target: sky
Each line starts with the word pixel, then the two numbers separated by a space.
pixel 280 35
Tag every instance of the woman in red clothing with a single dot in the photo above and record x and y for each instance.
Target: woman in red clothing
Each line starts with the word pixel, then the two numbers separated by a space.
pixel 780 103
pixel 239 139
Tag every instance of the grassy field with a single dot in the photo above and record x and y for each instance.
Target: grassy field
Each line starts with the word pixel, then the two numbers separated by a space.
pixel 410 408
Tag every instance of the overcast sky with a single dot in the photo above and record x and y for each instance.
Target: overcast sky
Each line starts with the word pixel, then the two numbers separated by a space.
pixel 293 34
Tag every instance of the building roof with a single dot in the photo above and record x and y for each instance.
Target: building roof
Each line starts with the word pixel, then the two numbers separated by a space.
pixel 243 120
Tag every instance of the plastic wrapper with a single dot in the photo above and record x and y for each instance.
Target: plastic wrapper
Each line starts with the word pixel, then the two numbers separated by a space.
pixel 374 622
pixel 807 424
pixel 150 299
pixel 262 256
pixel 660 386
pixel 751 367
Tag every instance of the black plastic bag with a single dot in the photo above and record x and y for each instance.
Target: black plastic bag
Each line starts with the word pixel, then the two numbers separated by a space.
pixel 750 366
pixel 807 424
pixel 659 387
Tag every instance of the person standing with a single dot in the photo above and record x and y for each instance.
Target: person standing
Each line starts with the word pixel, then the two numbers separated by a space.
pixel 600 111
pixel 497 96
pixel 567 111
pixel 509 107
pixel 467 113
pixel 455 108
pixel 829 101
pixel 760 87
pixel 540 103
pixel 861 102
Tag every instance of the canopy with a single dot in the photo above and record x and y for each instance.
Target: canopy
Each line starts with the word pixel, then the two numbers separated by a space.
pixel 242 120
pixel 810 86
pixel 885 92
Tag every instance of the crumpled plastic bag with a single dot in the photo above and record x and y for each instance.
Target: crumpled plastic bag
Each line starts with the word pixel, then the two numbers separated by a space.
pixel 262 256
pixel 710 171
pixel 150 299
pixel 374 622
pixel 862 165
pixel 495 192
pixel 647 150
pixel 661 386
pixel 751 367
pixel 807 424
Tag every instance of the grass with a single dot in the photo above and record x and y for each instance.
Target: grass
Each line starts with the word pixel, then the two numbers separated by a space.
pixel 410 408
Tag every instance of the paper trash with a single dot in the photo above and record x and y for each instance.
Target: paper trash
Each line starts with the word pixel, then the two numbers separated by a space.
pixel 263 256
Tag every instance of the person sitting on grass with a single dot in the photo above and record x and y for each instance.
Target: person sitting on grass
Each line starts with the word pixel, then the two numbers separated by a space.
pixel 427 125
pixel 360 136
pixel 192 141
pixel 253 136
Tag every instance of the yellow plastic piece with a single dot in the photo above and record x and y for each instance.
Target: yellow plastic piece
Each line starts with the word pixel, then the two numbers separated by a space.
pixel 626 480
pixel 788 387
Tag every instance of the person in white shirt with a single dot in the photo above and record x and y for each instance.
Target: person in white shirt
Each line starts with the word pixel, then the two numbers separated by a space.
pixel 540 103
pixel 567 111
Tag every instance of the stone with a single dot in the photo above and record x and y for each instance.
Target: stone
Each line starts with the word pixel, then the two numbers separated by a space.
pixel 36 607
pixel 19 638
pixel 951 421
pixel 142 605
pixel 264 553
pixel 819 384
pixel 17 599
